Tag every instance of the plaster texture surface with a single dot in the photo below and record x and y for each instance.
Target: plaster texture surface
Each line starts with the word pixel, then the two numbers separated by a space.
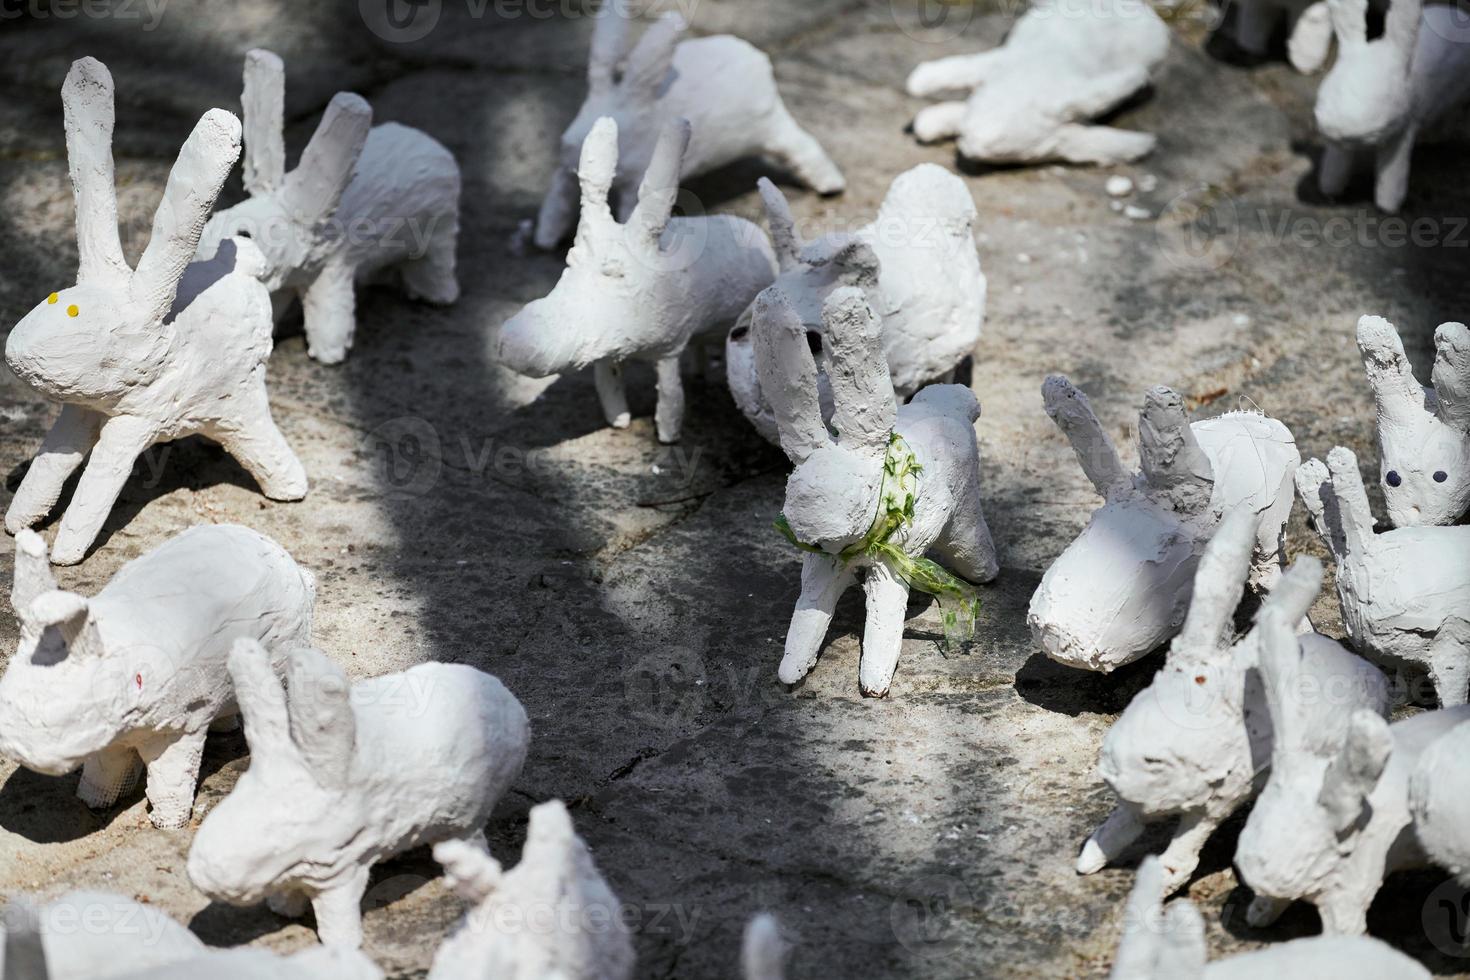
pixel 462 513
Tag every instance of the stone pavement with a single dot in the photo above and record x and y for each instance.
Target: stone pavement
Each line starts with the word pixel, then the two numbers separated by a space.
pixel 635 596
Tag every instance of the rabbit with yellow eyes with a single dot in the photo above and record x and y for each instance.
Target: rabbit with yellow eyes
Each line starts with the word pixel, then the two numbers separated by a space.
pixel 141 356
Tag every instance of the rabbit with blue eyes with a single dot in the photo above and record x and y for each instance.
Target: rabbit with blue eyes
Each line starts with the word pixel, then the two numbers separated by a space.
pixel 1423 433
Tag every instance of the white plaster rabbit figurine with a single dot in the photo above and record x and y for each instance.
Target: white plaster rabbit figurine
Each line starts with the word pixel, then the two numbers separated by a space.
pixel 1194 744
pixel 1121 589
pixel 343 776
pixel 138 671
pixel 1405 593
pixel 724 86
pixel 1032 98
pixel 585 939
pixel 640 290
pixel 1379 94
pixel 1439 802
pixel 1309 39
pixel 918 265
pixel 1334 817
pixel 893 484
pixel 1169 944
pixel 1423 434
pixel 97 936
pixel 361 202
pixel 138 357
pixel 763 949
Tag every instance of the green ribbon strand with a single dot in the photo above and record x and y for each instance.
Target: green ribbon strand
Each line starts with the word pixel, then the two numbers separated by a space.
pixel 959 601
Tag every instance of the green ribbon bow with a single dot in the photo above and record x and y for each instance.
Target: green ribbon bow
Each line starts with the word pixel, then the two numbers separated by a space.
pixel 959 601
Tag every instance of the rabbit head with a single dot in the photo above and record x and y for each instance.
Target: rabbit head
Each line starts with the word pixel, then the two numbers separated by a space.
pixel 625 86
pixel 287 215
pixel 832 497
pixel 1423 435
pixel 1121 588
pixel 1159 943
pixel 113 331
pixel 604 293
pixel 294 815
pixel 1315 803
pixel 62 697
pixel 1366 97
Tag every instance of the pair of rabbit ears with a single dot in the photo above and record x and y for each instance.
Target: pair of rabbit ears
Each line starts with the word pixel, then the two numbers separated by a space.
pixel 203 164
pixel 1159 943
pixel 1355 766
pixel 643 69
pixel 657 195
pixel 312 191
pixel 1176 470
pixel 314 726
pixel 854 262
pixel 1337 502
pixel 1400 28
pixel 857 369
pixel 1398 394
pixel 40 604
pixel 1219 583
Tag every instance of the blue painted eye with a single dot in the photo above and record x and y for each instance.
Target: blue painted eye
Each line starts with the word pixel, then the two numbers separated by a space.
pixel 1440 476
pixel 1393 478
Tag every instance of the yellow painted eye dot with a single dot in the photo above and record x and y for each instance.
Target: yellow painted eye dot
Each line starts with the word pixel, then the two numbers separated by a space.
pixel 72 310
pixel 52 299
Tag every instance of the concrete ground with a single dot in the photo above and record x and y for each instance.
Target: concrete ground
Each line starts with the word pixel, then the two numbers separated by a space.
pixel 635 596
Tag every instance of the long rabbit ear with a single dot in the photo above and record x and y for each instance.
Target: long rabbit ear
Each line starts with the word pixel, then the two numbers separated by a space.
pixel 205 161
pixel 1452 374
pixel 262 702
pixel 87 101
pixel 862 388
pixel 1401 26
pixel 1349 21
pixel 1354 772
pixel 32 572
pixel 857 264
pixel 1218 584
pixel 595 172
pixel 609 46
pixel 1355 513
pixel 763 949
pixel 1138 949
pixel 313 190
pixel 1296 590
pixel 788 375
pixel 782 223
pixel 1398 396
pixel 1174 465
pixel 71 614
pixel 1314 486
pixel 1183 951
pixel 660 188
pixel 1279 662
pixel 1069 409
pixel 653 55
pixel 323 727
pixel 23 956
pixel 264 104
pixel 469 872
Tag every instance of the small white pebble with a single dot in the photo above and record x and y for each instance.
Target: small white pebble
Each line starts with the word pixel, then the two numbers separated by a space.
pixel 1023 258
pixel 1136 213
pixel 1018 288
pixel 1148 183
pixel 1118 186
pixel 1116 205
pixel 1241 320
pixel 656 469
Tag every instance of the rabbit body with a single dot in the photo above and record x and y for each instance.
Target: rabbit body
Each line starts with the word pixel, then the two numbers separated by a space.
pixel 917 264
pixel 1404 593
pixel 1439 802
pixel 1033 96
pixel 724 87
pixel 99 936
pixel 344 776
pixel 1120 590
pixel 139 669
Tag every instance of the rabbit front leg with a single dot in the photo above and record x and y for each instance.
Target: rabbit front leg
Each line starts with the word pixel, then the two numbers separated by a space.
pixel 108 775
pixel 799 150
pixel 1449 663
pixel 255 441
pixel 329 306
pixel 823 581
pixel 1101 145
pixel 939 122
pixel 1334 170
pixel 173 774
pixel 338 909
pixel 669 415
pixel 888 599
pixel 960 72
pixel 122 440
pixel 1122 827
pixel 558 209
pixel 1392 184
pixel 62 451
pixel 966 546
pixel 607 377
pixel 1181 857
pixel 1265 910
pixel 1345 912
